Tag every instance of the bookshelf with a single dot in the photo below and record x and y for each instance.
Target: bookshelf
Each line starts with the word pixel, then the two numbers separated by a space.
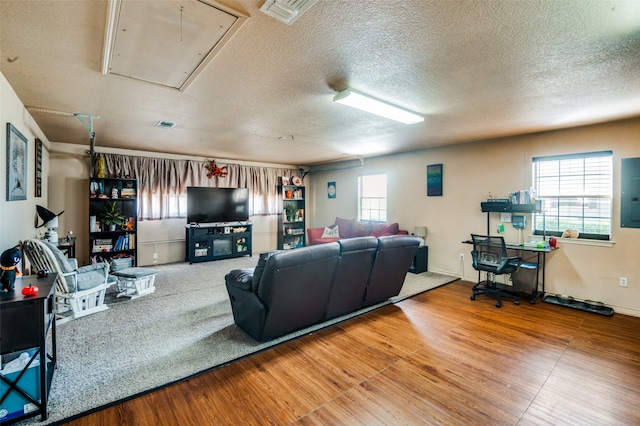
pixel 291 217
pixel 107 242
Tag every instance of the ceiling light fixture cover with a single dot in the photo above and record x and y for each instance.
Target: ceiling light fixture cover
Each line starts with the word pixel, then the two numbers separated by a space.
pixel 287 11
pixel 366 103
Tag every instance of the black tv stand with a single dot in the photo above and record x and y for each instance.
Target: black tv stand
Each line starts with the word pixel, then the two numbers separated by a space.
pixel 215 241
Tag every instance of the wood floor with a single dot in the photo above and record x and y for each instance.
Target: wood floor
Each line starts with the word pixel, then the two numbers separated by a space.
pixel 438 358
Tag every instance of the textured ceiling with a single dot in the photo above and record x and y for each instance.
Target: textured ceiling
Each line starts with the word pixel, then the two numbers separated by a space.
pixel 474 69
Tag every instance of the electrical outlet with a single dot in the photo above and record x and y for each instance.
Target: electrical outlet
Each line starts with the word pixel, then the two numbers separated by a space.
pixel 623 282
pixel 155 255
pixel 462 257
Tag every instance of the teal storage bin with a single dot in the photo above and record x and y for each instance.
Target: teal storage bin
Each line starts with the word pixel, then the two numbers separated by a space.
pixel 14 404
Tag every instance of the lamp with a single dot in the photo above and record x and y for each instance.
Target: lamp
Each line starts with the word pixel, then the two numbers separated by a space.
pixel 421 231
pixel 52 234
pixel 363 102
pixel 50 221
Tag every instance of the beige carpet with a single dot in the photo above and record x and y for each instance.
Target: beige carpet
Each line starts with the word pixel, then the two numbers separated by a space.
pixel 184 328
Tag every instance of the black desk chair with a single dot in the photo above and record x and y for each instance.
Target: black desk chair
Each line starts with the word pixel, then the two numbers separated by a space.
pixel 490 255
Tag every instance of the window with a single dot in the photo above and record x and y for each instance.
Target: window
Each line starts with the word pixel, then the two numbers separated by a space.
pixel 576 192
pixel 372 198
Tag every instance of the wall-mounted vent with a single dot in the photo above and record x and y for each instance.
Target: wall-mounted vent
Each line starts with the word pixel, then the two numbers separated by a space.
pixel 165 124
pixel 287 11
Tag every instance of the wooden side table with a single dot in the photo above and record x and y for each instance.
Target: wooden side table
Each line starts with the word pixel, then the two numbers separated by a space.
pixel 68 247
pixel 420 260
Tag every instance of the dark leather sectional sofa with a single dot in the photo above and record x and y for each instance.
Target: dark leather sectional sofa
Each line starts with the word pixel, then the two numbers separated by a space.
pixel 293 289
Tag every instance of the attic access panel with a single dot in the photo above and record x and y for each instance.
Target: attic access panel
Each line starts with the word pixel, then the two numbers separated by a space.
pixel 167 43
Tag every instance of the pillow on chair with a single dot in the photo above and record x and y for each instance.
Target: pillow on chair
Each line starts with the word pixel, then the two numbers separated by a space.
pixel 60 257
pixel 331 232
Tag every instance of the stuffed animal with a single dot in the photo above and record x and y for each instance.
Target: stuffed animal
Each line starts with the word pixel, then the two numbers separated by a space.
pixel 9 269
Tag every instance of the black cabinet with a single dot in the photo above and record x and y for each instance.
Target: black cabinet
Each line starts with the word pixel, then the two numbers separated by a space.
pixel 420 260
pixel 291 217
pixel 217 241
pixel 28 355
pixel 107 241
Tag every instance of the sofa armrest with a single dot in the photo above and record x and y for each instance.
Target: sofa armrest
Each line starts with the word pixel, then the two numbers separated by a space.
pixel 314 234
pixel 240 278
pixel 248 310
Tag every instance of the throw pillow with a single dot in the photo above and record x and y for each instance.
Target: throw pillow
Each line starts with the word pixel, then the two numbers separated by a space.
pixel 345 226
pixel 361 229
pixel 331 232
pixel 390 229
pixel 61 258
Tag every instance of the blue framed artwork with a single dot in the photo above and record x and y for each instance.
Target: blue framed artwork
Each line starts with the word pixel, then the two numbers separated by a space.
pixel 434 180
pixel 16 164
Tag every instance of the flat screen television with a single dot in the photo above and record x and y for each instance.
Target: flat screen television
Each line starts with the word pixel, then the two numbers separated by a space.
pixel 214 205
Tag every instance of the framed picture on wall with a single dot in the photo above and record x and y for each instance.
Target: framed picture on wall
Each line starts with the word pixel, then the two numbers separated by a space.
pixel 38 177
pixel 331 190
pixel 16 164
pixel 434 180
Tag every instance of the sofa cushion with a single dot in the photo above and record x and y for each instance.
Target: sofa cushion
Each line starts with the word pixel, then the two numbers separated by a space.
pixel 259 269
pixel 361 229
pixel 345 226
pixel 331 232
pixel 382 229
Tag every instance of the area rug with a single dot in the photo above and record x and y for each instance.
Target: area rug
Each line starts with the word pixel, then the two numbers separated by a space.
pixel 185 327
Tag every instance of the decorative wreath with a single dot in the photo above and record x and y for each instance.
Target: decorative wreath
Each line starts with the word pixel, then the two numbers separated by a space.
pixel 216 171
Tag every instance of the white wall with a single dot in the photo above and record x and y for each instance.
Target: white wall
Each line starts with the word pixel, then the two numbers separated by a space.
pixel 500 166
pixel 17 218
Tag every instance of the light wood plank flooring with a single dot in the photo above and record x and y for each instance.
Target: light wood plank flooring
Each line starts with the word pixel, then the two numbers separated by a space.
pixel 437 358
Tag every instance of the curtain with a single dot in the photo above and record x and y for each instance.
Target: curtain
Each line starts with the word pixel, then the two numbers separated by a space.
pixel 163 182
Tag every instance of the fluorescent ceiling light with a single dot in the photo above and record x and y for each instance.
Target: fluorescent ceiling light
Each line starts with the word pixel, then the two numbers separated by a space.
pixel 365 103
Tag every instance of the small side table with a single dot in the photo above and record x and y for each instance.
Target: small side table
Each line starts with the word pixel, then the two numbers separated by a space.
pixel 67 247
pixel 420 260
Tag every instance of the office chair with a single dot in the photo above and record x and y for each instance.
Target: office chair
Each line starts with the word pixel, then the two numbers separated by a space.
pixel 490 255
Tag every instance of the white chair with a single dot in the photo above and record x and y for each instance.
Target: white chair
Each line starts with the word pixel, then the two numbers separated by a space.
pixel 79 290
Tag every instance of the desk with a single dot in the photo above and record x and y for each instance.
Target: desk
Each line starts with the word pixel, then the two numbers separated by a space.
pixel 67 247
pixel 25 322
pixel 541 257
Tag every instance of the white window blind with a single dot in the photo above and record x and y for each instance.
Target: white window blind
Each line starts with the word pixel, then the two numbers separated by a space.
pixel 576 191
pixel 372 197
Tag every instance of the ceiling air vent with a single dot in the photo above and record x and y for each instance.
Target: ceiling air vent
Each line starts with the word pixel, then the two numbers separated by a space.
pixel 287 11
pixel 165 124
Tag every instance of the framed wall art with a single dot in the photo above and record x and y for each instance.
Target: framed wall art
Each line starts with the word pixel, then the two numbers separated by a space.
pixel 434 180
pixel 16 164
pixel 331 190
pixel 38 177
